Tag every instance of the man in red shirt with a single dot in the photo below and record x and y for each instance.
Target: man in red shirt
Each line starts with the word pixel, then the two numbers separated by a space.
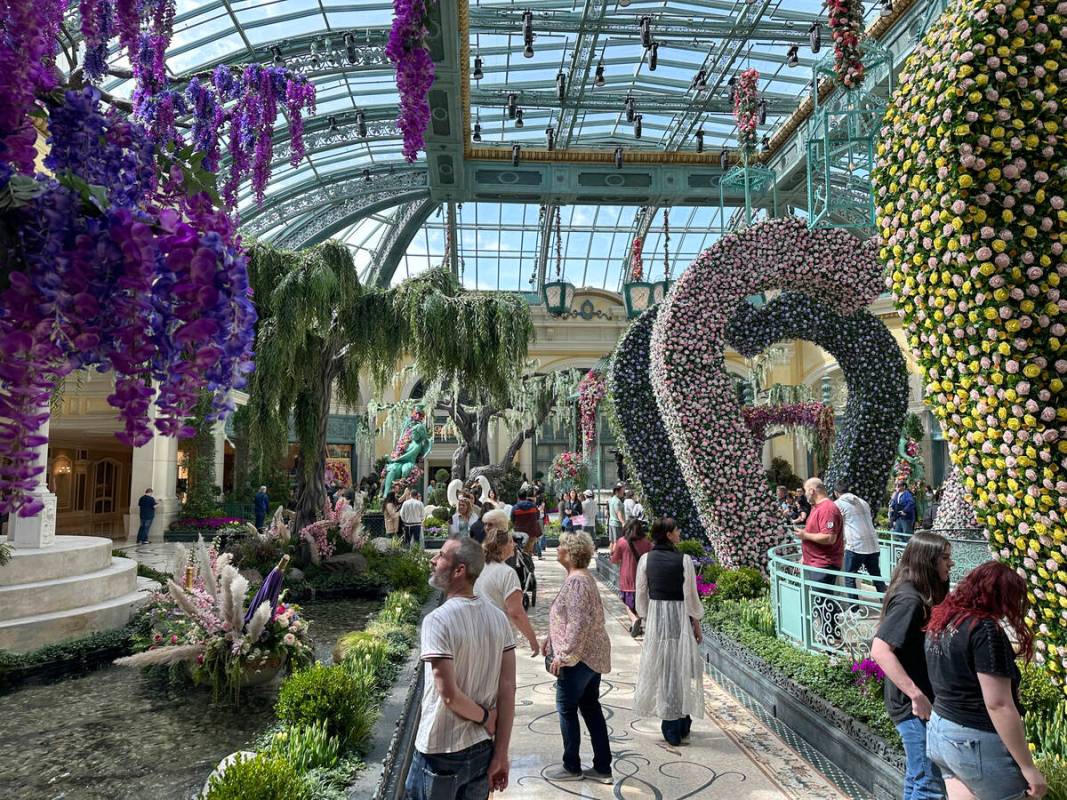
pixel 823 537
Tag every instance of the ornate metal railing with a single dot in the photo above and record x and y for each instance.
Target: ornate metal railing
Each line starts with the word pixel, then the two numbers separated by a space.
pixel 814 610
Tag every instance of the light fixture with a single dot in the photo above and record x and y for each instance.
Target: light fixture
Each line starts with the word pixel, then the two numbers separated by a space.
pixel 513 105
pixel 732 83
pixel 815 36
pixel 527 34
pixel 645 26
pixel 618 158
pixel 316 60
pixel 550 135
pixel 477 74
pixel 277 53
pixel 631 108
pixel 516 154
pixel 761 110
pixel 700 82
pixel 637 126
pixel 366 176
pixel 724 159
pixel 350 48
pixel 653 57
pixel 561 86
pixel 518 118
pixel 598 80
pixel 700 140
pixel 477 135
pixel 765 143
pixel 791 59
pixel 333 125
pixel 887 7
pixel 361 124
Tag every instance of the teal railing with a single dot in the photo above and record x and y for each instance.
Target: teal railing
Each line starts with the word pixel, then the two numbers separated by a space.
pixel 827 617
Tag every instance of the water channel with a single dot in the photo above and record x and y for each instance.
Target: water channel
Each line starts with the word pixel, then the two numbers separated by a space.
pixel 118 734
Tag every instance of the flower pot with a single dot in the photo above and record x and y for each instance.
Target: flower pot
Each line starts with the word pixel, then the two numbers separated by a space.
pixel 259 675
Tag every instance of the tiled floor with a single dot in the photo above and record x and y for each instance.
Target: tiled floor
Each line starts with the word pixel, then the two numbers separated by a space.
pixel 157 555
pixel 731 753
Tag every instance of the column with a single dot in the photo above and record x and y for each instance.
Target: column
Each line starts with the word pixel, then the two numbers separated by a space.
pixel 39 530
pixel 220 452
pixel 155 466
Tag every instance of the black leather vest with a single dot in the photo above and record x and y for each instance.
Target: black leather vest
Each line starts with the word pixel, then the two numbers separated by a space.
pixel 665 573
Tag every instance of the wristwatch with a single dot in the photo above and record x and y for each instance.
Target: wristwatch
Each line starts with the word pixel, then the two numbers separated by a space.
pixel 485 715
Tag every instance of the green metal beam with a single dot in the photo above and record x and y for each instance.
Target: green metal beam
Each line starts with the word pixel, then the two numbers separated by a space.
pixel 407 221
pixel 322 224
pixel 647 102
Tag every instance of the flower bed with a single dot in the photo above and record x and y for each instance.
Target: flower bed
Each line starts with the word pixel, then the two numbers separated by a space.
pixel 975 253
pixel 694 392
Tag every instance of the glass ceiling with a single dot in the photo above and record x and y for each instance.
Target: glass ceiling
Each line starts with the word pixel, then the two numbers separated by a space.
pixel 498 243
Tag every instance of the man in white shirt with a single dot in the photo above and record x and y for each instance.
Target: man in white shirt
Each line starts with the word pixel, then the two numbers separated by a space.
pixel 412 512
pixel 469 689
pixel 628 504
pixel 861 539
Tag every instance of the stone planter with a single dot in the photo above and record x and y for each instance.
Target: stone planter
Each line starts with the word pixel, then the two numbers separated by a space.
pixel 262 675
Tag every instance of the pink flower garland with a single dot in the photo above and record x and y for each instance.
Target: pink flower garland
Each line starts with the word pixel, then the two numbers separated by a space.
pixel 695 394
pixel 569 466
pixel 591 390
pixel 746 111
pixel 414 72
pixel 846 29
pixel 818 416
pixel 637 266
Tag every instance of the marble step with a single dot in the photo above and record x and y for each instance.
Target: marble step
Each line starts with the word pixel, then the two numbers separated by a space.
pixel 30 633
pixel 74 591
pixel 70 555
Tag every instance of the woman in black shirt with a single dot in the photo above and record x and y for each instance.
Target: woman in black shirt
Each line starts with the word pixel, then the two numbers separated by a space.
pixel 976 731
pixel 919 582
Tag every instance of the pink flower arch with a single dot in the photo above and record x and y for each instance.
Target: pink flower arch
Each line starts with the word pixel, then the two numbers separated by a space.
pixel 696 396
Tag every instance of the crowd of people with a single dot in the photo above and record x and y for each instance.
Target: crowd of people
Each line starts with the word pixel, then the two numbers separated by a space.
pixel 951 687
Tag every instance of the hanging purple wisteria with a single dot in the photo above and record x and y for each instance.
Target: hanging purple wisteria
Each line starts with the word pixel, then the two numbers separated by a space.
pixel 238 104
pixel 414 72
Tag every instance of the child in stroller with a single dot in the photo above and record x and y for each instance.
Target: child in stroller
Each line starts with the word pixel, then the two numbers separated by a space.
pixel 523 564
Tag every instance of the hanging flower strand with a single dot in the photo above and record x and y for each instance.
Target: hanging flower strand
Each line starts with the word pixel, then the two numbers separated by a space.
pixel 559 245
pixel 666 244
pixel 846 29
pixel 746 110
pixel 637 266
pixel 414 72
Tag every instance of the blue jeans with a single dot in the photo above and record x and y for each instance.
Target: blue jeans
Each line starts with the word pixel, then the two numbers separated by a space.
pixel 463 775
pixel 978 759
pixel 902 525
pixel 142 532
pixel 870 561
pixel 922 777
pixel 578 690
pixel 539 545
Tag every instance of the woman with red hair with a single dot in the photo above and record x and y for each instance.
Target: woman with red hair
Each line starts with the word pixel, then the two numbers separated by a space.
pixel 976 731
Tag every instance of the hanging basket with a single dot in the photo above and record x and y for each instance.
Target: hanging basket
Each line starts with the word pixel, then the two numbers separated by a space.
pixel 639 296
pixel 558 296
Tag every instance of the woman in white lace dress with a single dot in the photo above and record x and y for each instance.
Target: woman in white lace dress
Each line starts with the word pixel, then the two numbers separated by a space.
pixel 670 680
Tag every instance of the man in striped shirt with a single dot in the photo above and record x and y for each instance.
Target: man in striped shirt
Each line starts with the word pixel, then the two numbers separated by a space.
pixel 469 688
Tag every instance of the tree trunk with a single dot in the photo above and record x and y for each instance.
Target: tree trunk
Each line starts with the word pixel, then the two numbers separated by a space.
pixel 310 486
pixel 459 462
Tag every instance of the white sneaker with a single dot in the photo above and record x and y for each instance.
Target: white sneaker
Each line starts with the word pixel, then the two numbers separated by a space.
pixel 599 777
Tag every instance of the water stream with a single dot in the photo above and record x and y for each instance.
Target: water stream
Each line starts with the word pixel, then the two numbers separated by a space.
pixel 117 734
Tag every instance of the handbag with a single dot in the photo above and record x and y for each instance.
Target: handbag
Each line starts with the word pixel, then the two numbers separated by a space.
pixel 548 658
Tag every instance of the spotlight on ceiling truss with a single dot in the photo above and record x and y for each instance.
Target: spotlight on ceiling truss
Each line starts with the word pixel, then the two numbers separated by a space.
pixel 724 158
pixel 550 136
pixel 637 126
pixel 561 86
pixel 815 36
pixel 700 81
pixel 361 124
pixel 477 74
pixel 518 118
pixel 527 34
pixel 477 135
pixel 645 26
pixel 513 105
pixel 333 125
pixel 700 140
pixel 791 57
pixel 350 48
pixel 653 57
pixel 598 79
pixel 630 105
pixel 516 154
pixel 277 53
pixel 618 158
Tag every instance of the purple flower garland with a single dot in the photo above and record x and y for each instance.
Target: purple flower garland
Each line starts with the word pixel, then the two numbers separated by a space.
pixel 414 72
pixel 115 269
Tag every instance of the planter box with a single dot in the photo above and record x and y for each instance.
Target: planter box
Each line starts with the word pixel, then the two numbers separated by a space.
pixel 858 751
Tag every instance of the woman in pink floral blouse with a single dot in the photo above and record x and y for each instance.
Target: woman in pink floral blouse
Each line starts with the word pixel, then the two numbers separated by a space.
pixel 580 653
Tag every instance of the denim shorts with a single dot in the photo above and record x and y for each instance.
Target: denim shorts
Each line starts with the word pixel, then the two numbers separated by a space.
pixel 450 776
pixel 978 759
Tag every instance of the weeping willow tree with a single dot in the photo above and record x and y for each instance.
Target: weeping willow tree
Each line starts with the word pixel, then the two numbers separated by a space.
pixel 319 330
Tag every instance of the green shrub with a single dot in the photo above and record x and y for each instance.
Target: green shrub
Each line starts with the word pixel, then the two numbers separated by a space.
pixel 1047 731
pixel 711 571
pixel 332 694
pixel 403 570
pixel 739 584
pixel 690 547
pixel 1038 693
pixel 442 475
pixel 263 777
pixel 440 514
pixel 306 747
pixel 400 607
pixel 1054 768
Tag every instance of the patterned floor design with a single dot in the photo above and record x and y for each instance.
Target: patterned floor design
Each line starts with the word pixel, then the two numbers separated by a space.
pixel 732 754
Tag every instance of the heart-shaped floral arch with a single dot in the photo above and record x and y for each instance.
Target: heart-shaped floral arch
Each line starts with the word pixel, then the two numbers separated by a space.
pixel 639 430
pixel 969 191
pixel 874 369
pixel 696 395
